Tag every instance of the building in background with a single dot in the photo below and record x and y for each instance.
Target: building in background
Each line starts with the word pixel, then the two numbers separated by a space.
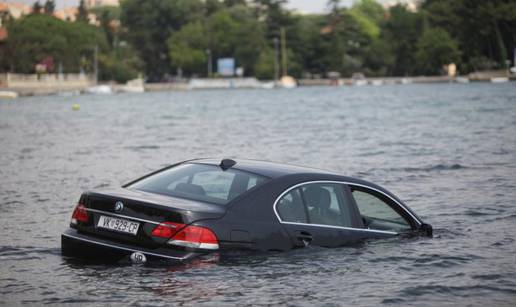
pixel 67 13
pixel 97 3
pixel 15 10
pixel 410 4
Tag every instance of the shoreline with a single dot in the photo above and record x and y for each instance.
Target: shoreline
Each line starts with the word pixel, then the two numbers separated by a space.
pixel 235 83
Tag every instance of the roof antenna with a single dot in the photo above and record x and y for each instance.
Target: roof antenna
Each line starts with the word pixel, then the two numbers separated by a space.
pixel 226 163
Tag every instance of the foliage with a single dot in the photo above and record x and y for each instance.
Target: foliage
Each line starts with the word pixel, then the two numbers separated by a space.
pixel 273 14
pixel 188 48
pixel 160 36
pixel 436 48
pixel 369 15
pixel 371 9
pixel 113 12
pixel 37 8
pixel 82 13
pixel 150 23
pixel 483 29
pixel 264 67
pixel 49 7
pixel 35 37
pixel 120 65
pixel 378 58
pixel 402 30
pixel 229 32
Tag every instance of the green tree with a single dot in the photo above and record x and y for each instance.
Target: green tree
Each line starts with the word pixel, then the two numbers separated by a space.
pixel 344 39
pixel 37 8
pixel 309 44
pixel 150 23
pixel 236 33
pixel 109 19
pixel 230 3
pixel 35 37
pixel 230 32
pixel 82 13
pixel 105 23
pixel 212 6
pixel 402 30
pixel 120 64
pixel 483 29
pixel 187 48
pixel 264 67
pixel 370 9
pixel 369 15
pixel 49 7
pixel 378 58
pixel 436 48
pixel 334 6
pixel 274 16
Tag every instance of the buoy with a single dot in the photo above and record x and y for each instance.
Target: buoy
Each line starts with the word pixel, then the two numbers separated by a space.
pixel 76 107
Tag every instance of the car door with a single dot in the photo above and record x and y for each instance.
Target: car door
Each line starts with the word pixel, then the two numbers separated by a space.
pixel 380 212
pixel 322 213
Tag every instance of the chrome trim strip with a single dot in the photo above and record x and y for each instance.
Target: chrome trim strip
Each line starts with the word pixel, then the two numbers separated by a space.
pixel 124 248
pixel 125 216
pixel 342 227
pixel 338 227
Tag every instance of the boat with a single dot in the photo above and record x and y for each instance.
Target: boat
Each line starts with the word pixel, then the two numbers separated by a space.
pixel 462 79
pixel 287 82
pixel 132 86
pixel 8 95
pixel 499 80
pixel 100 90
pixel 267 85
pixel 359 79
pixel 406 81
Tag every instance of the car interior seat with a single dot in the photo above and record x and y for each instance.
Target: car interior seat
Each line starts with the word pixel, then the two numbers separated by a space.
pixel 190 188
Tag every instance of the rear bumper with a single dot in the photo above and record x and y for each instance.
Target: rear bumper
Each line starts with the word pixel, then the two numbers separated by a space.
pixel 81 245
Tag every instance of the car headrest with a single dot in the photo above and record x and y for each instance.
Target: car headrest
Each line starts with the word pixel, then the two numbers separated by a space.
pixel 317 197
pixel 190 188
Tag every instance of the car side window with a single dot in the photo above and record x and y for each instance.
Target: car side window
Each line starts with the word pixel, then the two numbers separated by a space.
pixel 291 208
pixel 326 204
pixel 377 213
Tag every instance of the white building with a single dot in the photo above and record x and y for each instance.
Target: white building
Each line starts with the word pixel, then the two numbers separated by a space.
pixel 94 3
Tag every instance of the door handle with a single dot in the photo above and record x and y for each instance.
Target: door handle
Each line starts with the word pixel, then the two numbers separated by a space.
pixel 305 237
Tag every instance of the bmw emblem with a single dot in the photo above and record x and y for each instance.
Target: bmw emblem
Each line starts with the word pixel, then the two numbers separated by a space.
pixel 119 206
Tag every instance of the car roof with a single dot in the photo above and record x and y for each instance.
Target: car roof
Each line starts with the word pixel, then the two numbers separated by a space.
pixel 266 168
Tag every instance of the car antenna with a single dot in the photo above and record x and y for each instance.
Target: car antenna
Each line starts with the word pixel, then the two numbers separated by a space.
pixel 226 163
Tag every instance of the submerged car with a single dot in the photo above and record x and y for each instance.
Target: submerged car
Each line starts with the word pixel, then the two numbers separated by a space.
pixel 200 206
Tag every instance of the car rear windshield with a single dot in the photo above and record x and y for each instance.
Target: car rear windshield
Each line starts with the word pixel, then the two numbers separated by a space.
pixel 208 183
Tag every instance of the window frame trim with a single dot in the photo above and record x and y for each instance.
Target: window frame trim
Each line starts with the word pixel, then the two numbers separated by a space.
pixel 417 221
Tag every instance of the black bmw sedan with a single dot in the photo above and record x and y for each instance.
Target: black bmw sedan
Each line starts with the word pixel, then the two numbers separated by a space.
pixel 200 206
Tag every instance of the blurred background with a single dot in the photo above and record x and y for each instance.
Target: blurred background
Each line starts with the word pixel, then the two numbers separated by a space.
pixel 73 44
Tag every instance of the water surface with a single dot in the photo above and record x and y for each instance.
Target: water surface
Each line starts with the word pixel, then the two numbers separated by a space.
pixel 447 150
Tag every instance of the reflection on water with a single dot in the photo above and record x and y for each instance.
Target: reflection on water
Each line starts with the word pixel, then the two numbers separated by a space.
pixel 447 150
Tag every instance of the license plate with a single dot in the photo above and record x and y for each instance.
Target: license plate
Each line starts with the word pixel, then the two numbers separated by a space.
pixel 113 223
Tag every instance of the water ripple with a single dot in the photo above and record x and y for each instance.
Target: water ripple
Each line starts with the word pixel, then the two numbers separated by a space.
pixel 446 149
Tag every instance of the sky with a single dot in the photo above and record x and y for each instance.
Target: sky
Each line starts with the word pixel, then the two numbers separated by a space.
pixel 306 6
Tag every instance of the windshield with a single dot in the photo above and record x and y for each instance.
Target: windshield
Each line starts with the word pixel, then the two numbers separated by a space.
pixel 208 183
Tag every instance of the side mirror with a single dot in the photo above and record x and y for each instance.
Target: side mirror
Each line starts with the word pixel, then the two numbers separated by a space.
pixel 426 229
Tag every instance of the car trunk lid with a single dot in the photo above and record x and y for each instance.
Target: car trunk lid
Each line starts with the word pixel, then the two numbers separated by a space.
pixel 130 216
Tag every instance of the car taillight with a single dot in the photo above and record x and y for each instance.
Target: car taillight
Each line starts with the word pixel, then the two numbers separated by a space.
pixel 196 237
pixel 79 214
pixel 166 229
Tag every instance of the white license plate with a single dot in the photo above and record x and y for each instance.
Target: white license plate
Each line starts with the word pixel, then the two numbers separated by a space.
pixel 117 224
